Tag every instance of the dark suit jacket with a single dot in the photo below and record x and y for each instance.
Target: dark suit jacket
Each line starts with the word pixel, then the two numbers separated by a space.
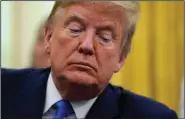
pixel 23 96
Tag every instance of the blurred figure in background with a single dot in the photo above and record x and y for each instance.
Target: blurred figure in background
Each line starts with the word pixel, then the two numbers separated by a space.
pixel 39 57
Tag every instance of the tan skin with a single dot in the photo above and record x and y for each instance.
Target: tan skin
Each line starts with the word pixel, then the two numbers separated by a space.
pixel 40 58
pixel 84 46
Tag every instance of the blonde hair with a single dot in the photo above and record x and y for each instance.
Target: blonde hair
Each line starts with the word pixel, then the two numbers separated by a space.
pixel 132 14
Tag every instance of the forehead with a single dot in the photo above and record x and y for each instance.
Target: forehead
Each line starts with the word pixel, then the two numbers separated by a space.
pixel 96 12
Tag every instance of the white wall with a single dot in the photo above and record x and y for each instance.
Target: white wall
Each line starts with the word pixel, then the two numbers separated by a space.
pixel 20 21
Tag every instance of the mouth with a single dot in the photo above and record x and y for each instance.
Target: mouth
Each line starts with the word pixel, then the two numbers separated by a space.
pixel 83 64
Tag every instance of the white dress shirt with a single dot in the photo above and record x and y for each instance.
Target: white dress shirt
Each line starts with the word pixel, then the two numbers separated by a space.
pixel 80 108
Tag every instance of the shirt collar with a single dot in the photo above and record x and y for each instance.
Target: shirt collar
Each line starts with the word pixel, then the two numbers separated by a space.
pixel 81 108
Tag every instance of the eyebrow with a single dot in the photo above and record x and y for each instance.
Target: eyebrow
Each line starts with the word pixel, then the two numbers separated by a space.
pixel 74 19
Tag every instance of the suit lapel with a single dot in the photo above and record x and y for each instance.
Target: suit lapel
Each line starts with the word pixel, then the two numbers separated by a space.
pixel 106 105
pixel 33 97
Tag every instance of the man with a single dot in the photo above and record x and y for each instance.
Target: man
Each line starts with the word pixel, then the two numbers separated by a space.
pixel 87 43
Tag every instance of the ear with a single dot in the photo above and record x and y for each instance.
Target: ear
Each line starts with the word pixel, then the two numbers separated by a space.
pixel 47 39
pixel 120 63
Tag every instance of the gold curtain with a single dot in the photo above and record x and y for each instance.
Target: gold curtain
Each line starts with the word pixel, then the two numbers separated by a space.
pixel 154 67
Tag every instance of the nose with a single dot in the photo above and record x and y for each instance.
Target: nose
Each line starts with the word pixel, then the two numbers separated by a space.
pixel 86 45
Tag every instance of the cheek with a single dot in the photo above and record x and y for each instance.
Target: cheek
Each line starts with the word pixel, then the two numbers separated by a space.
pixel 63 43
pixel 62 47
pixel 107 64
pixel 107 60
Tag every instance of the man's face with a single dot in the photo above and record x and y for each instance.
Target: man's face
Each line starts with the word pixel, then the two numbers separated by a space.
pixel 85 46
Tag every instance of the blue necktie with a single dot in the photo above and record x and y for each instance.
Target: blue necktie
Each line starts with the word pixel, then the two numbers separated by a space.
pixel 63 109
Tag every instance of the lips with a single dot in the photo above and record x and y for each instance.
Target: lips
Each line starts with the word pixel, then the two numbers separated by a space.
pixel 83 64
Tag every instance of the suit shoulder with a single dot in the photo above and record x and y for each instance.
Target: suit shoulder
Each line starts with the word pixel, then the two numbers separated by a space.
pixel 141 106
pixel 14 81
pixel 15 77
pixel 9 72
pixel 15 73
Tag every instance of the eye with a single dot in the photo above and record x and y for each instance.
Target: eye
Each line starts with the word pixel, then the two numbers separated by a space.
pixel 105 38
pixel 75 28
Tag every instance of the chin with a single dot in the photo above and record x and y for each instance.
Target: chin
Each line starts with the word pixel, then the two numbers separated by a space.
pixel 80 86
pixel 81 78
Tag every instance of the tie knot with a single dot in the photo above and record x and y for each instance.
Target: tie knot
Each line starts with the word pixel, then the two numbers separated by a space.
pixel 63 109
